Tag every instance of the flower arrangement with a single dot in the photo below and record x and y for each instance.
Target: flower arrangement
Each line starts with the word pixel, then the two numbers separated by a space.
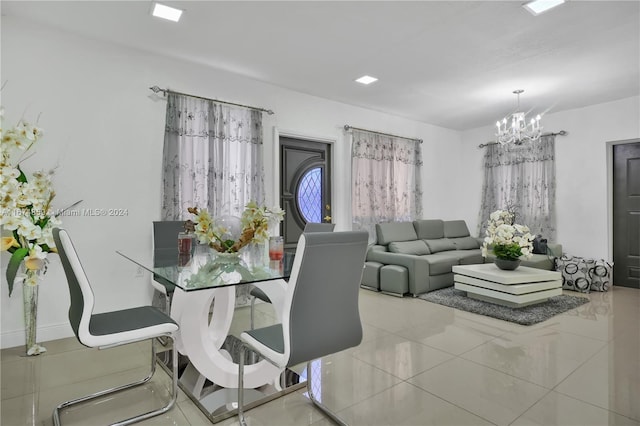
pixel 508 240
pixel 254 224
pixel 25 205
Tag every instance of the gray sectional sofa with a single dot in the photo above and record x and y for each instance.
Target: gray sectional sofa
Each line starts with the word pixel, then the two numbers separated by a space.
pixel 417 257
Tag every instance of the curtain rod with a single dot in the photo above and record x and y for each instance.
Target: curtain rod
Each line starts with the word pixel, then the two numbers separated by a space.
pixel 347 128
pixel 560 133
pixel 156 89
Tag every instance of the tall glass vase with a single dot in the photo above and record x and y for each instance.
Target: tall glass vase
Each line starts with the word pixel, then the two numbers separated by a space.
pixel 30 287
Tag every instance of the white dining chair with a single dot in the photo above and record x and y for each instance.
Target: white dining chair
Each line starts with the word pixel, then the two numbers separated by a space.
pixel 110 329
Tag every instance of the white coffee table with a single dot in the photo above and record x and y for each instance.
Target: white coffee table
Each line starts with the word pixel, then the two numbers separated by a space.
pixel 522 287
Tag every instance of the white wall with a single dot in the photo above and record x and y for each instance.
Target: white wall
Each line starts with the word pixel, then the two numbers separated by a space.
pixel 104 129
pixel 582 171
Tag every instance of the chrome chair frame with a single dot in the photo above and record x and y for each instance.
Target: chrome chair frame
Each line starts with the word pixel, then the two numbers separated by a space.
pixel 112 329
pixel 312 397
pixel 141 417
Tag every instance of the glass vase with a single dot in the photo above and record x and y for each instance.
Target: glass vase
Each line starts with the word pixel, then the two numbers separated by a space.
pixel 30 289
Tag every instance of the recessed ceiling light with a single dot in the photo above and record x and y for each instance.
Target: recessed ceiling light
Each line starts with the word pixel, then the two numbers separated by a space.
pixel 536 7
pixel 166 12
pixel 366 79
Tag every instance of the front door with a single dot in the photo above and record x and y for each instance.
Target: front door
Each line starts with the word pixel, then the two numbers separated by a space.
pixel 626 214
pixel 305 186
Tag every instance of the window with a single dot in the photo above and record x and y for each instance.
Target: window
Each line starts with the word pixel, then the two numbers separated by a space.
pixel 309 195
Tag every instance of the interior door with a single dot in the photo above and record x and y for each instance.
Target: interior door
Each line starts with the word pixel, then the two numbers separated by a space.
pixel 626 214
pixel 305 186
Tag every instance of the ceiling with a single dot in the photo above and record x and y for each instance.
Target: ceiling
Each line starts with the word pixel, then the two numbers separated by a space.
pixel 453 64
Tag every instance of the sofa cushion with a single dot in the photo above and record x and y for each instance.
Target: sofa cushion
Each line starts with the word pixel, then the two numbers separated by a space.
pixel 429 229
pixel 395 231
pixel 440 244
pixel 417 247
pixel 465 243
pixel 441 263
pixel 455 229
pixel 471 257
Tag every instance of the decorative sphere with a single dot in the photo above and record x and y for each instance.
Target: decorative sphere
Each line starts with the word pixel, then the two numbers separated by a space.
pixel 233 227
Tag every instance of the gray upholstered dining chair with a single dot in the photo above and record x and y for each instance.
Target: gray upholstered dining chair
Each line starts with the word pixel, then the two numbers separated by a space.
pixel 318 227
pixel 165 250
pixel 320 312
pixel 111 329
pixel 256 293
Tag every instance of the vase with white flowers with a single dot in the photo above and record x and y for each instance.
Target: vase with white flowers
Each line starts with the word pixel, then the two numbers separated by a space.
pixel 26 219
pixel 229 234
pixel 508 240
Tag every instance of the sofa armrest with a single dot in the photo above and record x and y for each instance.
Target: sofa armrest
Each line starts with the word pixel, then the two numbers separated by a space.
pixel 417 266
pixel 375 247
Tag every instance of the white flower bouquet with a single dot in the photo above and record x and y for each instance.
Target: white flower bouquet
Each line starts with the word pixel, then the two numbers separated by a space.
pixel 508 240
pixel 25 204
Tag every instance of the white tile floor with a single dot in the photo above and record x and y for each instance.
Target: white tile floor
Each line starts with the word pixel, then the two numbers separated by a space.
pixel 419 364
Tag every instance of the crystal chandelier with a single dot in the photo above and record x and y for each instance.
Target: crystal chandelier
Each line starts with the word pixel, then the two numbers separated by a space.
pixel 518 131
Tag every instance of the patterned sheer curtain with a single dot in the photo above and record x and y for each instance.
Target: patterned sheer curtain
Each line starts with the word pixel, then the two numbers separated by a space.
pixel 212 157
pixel 386 184
pixel 522 177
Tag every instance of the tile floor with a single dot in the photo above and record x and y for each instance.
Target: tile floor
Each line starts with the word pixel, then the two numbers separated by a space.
pixel 419 364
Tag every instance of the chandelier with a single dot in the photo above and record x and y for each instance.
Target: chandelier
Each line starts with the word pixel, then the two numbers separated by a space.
pixel 515 129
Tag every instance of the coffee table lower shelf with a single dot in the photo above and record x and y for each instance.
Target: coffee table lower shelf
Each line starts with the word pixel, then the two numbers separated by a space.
pixel 505 299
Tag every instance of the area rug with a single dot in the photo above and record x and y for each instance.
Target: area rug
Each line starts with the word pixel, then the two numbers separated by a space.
pixel 527 315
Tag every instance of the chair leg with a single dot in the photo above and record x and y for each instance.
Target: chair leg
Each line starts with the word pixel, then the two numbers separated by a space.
pixel 241 419
pixel 317 403
pixel 174 391
pixel 253 305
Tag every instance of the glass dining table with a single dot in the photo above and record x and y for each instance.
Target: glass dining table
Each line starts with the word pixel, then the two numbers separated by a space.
pixel 203 289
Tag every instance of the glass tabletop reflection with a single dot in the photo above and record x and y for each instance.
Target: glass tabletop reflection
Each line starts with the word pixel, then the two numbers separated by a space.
pixel 207 269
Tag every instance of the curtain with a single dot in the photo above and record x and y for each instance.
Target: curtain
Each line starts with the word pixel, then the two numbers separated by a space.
pixel 212 158
pixel 386 184
pixel 521 178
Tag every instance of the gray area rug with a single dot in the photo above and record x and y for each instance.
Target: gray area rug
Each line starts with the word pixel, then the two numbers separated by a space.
pixel 527 315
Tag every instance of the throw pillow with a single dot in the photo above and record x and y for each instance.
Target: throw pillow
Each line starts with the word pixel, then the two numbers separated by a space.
pixel 417 247
pixel 583 275
pixel 574 273
pixel 600 274
pixel 539 245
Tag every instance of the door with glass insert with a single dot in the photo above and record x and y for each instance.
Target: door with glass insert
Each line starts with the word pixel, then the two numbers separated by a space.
pixel 305 186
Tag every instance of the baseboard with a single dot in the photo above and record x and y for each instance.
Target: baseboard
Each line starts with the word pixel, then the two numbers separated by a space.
pixel 52 332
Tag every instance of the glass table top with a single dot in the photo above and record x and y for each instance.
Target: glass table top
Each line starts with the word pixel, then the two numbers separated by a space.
pixel 207 269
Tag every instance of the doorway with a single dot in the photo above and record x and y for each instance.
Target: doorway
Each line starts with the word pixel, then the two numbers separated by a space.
pixel 626 214
pixel 305 186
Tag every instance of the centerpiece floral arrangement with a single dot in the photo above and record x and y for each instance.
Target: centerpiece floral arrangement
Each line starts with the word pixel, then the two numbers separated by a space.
pixel 254 227
pixel 507 239
pixel 25 205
